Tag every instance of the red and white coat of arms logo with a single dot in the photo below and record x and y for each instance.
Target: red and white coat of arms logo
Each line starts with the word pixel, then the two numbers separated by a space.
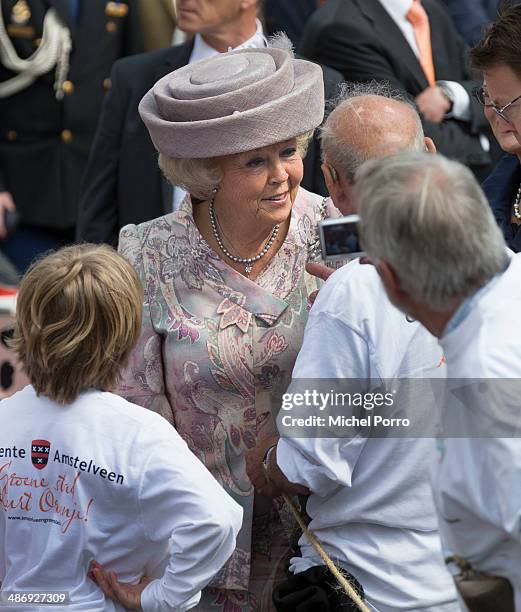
pixel 40 450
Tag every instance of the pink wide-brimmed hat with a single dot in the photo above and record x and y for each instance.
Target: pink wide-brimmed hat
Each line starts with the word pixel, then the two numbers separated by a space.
pixel 234 102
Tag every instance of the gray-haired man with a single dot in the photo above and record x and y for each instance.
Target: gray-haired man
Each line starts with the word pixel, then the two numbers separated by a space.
pixel 371 502
pixel 427 226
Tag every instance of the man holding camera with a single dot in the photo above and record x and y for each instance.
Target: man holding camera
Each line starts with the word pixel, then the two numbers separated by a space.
pixel 370 504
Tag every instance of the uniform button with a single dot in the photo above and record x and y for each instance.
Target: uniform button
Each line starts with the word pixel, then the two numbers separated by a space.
pixel 107 83
pixel 12 135
pixel 111 27
pixel 68 87
pixel 66 136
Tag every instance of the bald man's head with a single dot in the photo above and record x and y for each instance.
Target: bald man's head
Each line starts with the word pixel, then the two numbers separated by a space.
pixel 369 122
pixel 368 127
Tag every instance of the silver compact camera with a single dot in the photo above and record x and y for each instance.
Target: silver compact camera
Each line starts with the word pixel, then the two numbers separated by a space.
pixel 339 238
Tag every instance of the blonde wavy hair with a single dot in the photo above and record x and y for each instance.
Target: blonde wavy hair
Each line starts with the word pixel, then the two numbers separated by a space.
pixel 78 316
pixel 199 177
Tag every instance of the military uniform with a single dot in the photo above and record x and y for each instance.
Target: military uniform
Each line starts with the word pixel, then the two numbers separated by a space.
pixel 45 141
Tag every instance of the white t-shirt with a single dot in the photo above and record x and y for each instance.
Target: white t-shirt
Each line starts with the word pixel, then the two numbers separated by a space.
pixel 478 482
pixel 371 504
pixel 108 480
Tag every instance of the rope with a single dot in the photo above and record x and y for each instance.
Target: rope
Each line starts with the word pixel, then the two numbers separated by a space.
pixel 54 50
pixel 342 581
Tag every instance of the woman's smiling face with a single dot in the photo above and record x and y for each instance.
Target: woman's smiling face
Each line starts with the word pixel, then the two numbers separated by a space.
pixel 260 185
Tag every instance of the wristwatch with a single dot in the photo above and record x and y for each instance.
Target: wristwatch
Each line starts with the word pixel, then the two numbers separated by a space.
pixel 448 93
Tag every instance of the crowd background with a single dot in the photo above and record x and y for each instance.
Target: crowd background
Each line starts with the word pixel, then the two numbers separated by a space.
pixel 75 159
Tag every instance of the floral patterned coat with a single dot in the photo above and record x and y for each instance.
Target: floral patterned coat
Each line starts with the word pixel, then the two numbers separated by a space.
pixel 214 345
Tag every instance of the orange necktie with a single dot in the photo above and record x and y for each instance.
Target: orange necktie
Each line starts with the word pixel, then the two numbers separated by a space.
pixel 420 22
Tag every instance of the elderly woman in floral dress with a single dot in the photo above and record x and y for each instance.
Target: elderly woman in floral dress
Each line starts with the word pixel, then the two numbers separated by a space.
pixel 224 279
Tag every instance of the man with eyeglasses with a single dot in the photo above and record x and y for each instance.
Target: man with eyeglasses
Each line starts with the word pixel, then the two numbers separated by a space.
pixel 365 490
pixel 498 57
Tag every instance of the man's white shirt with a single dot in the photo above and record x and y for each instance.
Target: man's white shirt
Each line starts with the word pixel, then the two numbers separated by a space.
pixel 478 481
pixel 371 505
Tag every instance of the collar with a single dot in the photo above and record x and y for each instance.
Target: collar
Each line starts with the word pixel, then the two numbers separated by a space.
pixel 202 50
pixel 467 305
pixel 397 9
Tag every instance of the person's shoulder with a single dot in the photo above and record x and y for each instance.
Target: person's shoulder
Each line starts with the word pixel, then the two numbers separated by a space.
pixel 20 401
pixel 484 346
pixel 353 278
pixel 354 293
pixel 143 429
pixel 128 415
pixel 143 231
pixel 330 12
pixel 487 343
pixel 146 64
pixel 505 172
pixel 503 300
pixel 309 203
pixel 500 333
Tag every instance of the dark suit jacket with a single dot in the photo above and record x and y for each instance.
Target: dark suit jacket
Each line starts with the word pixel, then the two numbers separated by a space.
pixel 471 17
pixel 501 189
pixel 361 40
pixel 288 16
pixel 42 170
pixel 123 183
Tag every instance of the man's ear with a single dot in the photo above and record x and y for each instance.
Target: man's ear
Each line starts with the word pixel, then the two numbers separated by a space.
pixel 332 183
pixel 247 4
pixel 328 176
pixel 430 146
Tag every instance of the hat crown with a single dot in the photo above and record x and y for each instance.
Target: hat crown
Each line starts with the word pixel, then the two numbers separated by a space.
pixel 238 101
pixel 224 75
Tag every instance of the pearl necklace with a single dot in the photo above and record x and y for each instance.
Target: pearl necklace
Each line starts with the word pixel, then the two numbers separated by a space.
pixel 517 201
pixel 247 261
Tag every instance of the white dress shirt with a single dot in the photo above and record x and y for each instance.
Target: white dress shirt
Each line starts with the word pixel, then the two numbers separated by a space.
pixel 371 504
pixel 202 50
pixel 478 480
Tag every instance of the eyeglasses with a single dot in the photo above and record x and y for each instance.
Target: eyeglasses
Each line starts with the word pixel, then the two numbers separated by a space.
pixel 481 95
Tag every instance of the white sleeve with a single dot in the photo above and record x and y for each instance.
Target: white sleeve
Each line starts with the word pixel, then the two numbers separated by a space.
pixel 323 464
pixel 461 105
pixel 180 499
pixel 494 492
pixel 331 348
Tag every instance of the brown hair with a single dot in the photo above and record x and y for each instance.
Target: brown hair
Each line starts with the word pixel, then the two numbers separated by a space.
pixel 501 43
pixel 78 316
